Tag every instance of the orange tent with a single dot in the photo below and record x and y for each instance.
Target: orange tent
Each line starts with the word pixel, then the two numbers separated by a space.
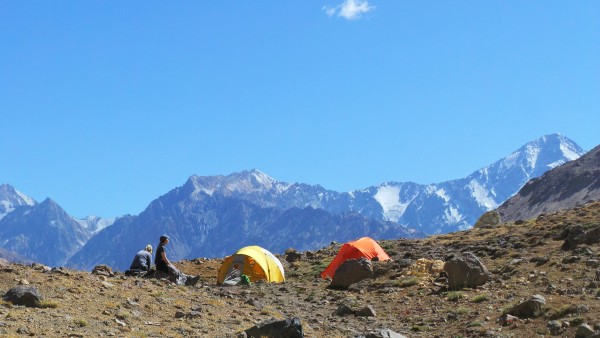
pixel 365 247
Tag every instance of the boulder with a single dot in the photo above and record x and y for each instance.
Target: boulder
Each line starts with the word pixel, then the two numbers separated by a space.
pixel 555 327
pixel 488 220
pixel 466 271
pixel 584 331
pixel 529 308
pixel 26 295
pixel 343 310
pixel 577 234
pixel 367 311
pixel 103 270
pixel 287 328
pixel 291 255
pixel 352 271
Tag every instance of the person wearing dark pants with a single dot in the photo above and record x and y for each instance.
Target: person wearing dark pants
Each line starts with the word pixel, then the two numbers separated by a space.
pixel 163 264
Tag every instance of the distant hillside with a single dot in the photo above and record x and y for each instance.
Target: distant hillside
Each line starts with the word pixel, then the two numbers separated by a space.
pixel 43 232
pixel 13 257
pixel 215 226
pixel 572 184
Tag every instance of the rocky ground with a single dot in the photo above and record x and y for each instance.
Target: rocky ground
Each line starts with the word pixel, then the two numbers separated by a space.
pixel 525 258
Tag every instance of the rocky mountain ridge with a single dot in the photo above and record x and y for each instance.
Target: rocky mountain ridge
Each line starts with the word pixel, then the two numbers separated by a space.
pixel 564 187
pixel 432 208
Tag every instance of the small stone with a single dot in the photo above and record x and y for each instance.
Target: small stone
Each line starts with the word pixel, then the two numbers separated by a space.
pixel 23 330
pixel 179 314
pixel 193 314
pixel 584 331
pixel 120 322
pixel 507 319
pixel 555 327
pixel 367 311
pixel 572 259
pixel 594 263
pixel 582 308
pixel 343 310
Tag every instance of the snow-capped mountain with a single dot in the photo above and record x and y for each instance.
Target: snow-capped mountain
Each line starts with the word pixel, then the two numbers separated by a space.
pixel 564 187
pixel 10 198
pixel 215 215
pixel 43 232
pixel 433 208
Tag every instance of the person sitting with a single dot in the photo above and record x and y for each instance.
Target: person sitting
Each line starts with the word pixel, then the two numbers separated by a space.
pixel 163 264
pixel 142 262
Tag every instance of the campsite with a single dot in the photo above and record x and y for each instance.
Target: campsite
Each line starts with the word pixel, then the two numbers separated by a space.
pixel 405 294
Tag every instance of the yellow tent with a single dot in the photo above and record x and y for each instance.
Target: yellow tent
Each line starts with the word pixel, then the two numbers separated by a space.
pixel 255 262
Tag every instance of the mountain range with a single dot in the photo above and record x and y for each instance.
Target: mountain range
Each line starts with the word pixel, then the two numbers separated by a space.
pixel 212 216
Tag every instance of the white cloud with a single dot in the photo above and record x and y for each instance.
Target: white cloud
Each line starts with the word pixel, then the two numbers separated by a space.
pixel 349 9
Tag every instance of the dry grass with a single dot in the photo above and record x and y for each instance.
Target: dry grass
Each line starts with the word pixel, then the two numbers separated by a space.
pixel 407 305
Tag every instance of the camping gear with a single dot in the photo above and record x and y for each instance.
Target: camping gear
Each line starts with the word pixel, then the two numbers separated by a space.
pixel 255 262
pixel 364 247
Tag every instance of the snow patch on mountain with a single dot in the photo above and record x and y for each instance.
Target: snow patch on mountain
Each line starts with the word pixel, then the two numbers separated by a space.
pixel 441 193
pixel 452 215
pixel 11 198
pixel 389 199
pixel 482 195
pixel 569 151
pixel 95 224
pixel 531 155
pixel 28 200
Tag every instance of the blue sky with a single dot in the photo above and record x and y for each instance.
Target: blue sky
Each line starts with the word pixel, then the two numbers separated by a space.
pixel 105 106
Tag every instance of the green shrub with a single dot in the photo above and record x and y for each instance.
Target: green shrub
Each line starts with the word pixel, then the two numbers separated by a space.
pixel 462 310
pixel 561 312
pixel 48 304
pixel 454 296
pixel 576 321
pixel 419 328
pixel 406 282
pixel 80 322
pixel 479 298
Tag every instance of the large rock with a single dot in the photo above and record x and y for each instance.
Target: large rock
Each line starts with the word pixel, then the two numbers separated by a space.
pixel 577 234
pixel 287 328
pixel 488 220
pixel 26 295
pixel 350 272
pixel 585 331
pixel 466 271
pixel 291 255
pixel 529 308
pixel 103 270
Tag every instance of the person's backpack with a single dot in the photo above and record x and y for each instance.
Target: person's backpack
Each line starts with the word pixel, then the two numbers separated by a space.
pixel 245 280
